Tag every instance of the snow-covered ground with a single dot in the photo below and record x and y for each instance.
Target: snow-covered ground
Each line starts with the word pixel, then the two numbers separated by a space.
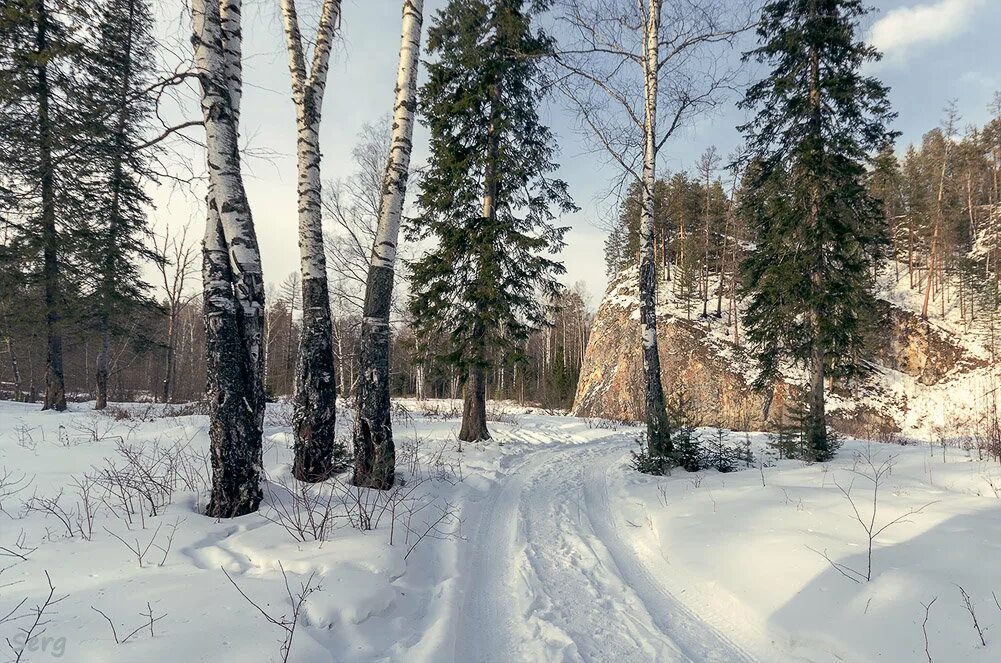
pixel 539 546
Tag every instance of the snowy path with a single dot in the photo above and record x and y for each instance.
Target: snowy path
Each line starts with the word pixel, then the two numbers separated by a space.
pixel 553 575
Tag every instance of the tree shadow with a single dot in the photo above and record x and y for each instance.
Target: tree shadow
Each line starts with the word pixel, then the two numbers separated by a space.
pixel 833 618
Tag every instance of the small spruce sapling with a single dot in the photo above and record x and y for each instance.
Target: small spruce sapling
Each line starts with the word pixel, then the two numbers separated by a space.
pixel 681 419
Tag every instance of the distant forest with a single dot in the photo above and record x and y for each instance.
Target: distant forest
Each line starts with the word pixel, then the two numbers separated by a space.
pixel 941 231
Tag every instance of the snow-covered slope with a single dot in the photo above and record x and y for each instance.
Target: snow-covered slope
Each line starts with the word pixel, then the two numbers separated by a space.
pixel 541 545
pixel 933 377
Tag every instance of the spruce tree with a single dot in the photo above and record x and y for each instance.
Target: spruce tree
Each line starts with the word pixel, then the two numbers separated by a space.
pixel 39 133
pixel 116 111
pixel 487 200
pixel 818 122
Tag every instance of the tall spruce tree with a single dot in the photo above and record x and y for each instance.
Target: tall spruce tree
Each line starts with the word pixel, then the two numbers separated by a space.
pixel 39 132
pixel 818 122
pixel 487 199
pixel 117 108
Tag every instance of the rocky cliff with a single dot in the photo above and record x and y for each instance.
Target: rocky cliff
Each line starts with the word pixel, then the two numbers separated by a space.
pixel 700 356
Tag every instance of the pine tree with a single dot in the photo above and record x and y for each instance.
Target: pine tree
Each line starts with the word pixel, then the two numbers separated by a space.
pixel 118 70
pixel 487 196
pixel 818 121
pixel 687 452
pixel 885 186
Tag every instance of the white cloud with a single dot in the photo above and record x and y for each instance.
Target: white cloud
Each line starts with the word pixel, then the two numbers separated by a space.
pixel 902 28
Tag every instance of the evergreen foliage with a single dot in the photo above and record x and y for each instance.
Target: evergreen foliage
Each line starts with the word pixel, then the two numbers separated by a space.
pixel 687 443
pixel 792 439
pixel 722 455
pixel 817 229
pixel 117 70
pixel 487 199
pixel 72 120
pixel 116 104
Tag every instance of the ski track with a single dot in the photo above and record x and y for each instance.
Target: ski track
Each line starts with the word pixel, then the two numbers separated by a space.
pixel 553 576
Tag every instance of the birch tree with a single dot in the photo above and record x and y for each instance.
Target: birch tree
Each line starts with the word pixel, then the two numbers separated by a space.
pixel 375 456
pixel 233 285
pixel 636 71
pixel 175 271
pixel 315 400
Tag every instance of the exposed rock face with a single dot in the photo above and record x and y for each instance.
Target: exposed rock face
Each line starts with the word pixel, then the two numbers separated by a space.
pixel 706 366
pixel 917 347
pixel 699 357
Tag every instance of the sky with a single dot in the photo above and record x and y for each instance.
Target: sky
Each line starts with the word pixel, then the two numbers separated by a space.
pixel 934 51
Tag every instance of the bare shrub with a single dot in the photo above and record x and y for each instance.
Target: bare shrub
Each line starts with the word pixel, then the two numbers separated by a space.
pixel 19 549
pixel 308 512
pixel 279 414
pixel 968 604
pixel 402 414
pixel 191 409
pixel 866 468
pixel 141 550
pixel 25 439
pixel 141 478
pixel 92 428
pixel 501 414
pixel 38 618
pixel 11 484
pixel 53 507
pixel 924 627
pixel 286 622
pixel 598 423
pixel 87 505
pixel 149 620
pixel 410 509
pixel 438 410
pixel 76 512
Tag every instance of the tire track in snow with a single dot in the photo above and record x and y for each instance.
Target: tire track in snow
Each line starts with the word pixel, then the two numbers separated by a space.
pixel 697 639
pixel 550 576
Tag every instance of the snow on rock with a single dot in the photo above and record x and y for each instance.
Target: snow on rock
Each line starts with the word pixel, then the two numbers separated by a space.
pixel 917 361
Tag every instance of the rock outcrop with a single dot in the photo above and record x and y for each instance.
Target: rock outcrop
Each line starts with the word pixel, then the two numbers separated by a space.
pixel 917 347
pixel 699 357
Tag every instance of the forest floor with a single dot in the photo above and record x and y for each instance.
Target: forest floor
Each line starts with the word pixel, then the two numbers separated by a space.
pixel 541 545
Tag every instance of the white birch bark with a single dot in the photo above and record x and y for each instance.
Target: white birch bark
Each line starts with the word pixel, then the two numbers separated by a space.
pixel 314 404
pixel 401 143
pixel 215 48
pixel 373 432
pixel 233 285
pixel 656 415
pixel 307 94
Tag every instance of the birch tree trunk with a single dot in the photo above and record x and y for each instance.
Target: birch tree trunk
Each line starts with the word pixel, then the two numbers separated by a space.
pixel 657 428
pixel 375 454
pixel 315 401
pixel 233 287
pixel 168 379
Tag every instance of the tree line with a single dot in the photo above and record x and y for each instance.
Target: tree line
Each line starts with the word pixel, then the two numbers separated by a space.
pixel 483 311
